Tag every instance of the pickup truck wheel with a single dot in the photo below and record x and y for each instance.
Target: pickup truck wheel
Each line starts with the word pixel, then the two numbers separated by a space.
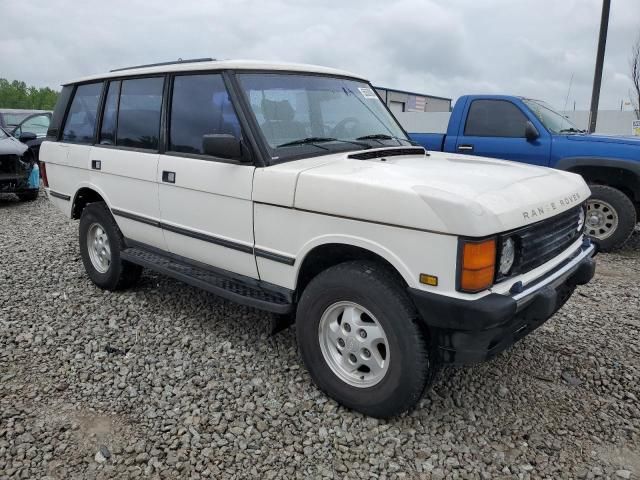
pixel 100 245
pixel 611 217
pixel 359 337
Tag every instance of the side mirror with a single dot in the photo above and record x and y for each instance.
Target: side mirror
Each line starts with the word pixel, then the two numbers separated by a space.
pixel 27 137
pixel 222 145
pixel 530 132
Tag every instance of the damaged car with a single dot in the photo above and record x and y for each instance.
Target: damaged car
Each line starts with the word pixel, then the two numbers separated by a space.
pixel 19 172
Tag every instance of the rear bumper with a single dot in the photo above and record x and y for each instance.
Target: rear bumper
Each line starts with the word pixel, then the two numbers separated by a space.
pixel 466 332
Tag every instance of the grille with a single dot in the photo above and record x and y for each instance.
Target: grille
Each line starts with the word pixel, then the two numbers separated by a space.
pixel 540 242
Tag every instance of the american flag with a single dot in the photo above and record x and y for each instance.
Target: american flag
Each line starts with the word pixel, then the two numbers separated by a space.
pixel 416 103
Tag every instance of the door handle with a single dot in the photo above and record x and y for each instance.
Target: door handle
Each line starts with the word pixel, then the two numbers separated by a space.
pixel 96 164
pixel 169 177
pixel 465 148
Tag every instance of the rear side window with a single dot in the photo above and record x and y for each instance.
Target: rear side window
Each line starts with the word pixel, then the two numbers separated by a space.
pixel 139 113
pixel 81 119
pixel 200 105
pixel 108 128
pixel 495 118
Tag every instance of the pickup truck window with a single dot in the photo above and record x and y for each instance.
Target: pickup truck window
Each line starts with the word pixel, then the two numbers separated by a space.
pixel 303 115
pixel 494 118
pixel 554 121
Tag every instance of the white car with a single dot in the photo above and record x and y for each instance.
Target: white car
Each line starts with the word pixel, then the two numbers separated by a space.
pixel 292 188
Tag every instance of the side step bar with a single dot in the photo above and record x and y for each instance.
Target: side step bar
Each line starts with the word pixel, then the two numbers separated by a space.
pixel 249 291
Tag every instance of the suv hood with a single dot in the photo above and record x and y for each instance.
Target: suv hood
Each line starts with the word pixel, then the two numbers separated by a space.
pixel 619 140
pixel 442 192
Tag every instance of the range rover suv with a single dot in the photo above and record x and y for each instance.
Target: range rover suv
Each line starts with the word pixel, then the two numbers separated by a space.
pixel 292 189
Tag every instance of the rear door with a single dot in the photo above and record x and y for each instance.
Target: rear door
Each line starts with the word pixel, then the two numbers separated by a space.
pixel 124 161
pixel 205 201
pixel 495 128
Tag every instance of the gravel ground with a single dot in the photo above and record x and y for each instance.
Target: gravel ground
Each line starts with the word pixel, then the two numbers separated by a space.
pixel 165 381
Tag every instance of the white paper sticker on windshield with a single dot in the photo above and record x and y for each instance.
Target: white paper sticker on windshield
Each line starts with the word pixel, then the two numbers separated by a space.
pixel 367 92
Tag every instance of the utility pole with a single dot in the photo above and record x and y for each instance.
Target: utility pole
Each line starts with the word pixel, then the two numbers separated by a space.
pixel 597 78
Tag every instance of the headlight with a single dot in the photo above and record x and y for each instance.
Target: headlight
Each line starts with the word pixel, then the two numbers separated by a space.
pixel 507 256
pixel 581 218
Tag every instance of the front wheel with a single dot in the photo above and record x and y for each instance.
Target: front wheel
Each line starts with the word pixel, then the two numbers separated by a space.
pixel 360 339
pixel 611 217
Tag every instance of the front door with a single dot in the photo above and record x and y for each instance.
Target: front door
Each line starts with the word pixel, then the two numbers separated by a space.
pixel 205 201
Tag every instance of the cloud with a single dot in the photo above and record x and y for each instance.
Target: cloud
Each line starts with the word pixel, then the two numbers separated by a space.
pixel 443 48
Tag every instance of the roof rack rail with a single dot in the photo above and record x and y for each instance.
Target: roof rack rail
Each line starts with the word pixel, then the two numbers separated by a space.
pixel 189 60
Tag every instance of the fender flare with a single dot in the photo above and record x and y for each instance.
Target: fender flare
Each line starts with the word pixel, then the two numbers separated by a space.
pixel 90 186
pixel 631 166
pixel 353 241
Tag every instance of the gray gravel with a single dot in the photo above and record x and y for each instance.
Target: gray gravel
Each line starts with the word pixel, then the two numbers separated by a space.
pixel 165 381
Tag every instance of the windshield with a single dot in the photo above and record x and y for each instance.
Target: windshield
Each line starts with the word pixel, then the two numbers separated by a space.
pixel 555 122
pixel 303 115
pixel 3 134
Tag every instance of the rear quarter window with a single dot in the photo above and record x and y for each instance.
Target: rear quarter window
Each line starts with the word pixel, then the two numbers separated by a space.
pixel 80 124
pixel 58 112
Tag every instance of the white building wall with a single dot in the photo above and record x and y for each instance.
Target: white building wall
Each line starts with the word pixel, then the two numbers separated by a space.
pixel 610 122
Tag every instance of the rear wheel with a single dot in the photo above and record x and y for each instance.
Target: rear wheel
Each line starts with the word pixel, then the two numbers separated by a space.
pixel 360 339
pixel 100 245
pixel 611 217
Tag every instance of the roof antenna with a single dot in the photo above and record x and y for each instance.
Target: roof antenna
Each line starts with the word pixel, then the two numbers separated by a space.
pixel 566 100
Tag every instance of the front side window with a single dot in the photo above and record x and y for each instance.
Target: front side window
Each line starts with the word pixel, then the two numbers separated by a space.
pixel 108 128
pixel 81 119
pixel 139 113
pixel 200 106
pixel 495 118
pixel 301 115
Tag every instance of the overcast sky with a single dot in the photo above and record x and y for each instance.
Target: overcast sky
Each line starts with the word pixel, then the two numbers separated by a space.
pixel 445 48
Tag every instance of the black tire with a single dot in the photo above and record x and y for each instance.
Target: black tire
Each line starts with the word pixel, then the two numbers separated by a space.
pixel 411 367
pixel 624 210
pixel 28 196
pixel 120 274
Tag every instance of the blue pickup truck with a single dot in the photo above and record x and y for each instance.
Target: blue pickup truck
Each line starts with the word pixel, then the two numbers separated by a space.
pixel 529 131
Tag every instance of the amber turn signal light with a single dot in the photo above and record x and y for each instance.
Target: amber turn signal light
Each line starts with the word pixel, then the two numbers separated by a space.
pixel 478 265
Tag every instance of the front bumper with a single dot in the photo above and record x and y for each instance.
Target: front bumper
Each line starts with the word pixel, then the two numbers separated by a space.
pixel 466 332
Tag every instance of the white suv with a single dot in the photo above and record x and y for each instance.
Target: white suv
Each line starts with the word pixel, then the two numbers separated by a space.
pixel 292 188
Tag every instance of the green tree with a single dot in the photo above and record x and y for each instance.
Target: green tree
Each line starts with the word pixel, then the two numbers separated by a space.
pixel 17 94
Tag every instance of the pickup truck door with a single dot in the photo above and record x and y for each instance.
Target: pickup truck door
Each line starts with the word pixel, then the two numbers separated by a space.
pixel 205 201
pixel 496 128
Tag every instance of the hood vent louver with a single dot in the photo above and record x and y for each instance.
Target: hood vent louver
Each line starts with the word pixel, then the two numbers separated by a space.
pixel 387 152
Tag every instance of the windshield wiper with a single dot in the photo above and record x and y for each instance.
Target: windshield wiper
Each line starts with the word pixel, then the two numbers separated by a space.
pixel 384 136
pixel 572 130
pixel 315 140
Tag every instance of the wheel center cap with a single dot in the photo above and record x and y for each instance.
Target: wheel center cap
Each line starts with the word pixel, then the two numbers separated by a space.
pixel 594 220
pixel 351 344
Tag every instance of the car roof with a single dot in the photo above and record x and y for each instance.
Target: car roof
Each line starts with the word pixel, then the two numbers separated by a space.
pixel 187 66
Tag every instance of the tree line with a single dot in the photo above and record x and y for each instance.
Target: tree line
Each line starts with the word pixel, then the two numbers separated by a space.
pixel 17 94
